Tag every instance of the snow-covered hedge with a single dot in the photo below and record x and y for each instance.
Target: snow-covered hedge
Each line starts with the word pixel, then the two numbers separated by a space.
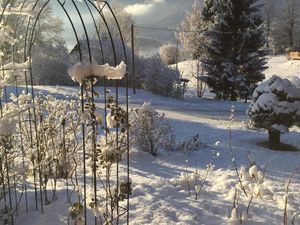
pixel 276 107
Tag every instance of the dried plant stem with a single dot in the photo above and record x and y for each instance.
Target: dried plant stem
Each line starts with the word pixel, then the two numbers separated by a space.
pixel 289 181
pixel 234 163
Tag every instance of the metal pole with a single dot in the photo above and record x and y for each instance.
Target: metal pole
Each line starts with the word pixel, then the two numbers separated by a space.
pixel 177 54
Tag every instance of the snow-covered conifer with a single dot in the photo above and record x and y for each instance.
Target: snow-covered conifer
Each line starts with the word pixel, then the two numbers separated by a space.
pixel 276 107
pixel 234 54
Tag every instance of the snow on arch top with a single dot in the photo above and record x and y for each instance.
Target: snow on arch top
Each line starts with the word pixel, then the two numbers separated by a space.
pixel 83 70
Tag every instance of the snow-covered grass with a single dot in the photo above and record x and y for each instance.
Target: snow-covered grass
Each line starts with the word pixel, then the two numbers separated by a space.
pixel 160 195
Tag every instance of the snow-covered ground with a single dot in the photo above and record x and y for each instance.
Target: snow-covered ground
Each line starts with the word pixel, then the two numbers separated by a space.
pixel 160 194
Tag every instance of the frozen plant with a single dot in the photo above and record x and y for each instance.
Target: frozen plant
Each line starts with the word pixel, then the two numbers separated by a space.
pixel 209 167
pixel 287 186
pixel 76 213
pixel 149 130
pixel 193 181
pixel 232 110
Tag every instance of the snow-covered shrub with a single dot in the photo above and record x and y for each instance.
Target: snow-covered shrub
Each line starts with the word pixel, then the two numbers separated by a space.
pixel 11 167
pixel 158 77
pixel 276 107
pixel 149 130
pixel 168 53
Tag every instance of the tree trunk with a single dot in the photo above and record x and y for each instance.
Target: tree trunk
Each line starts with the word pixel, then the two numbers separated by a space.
pixel 274 138
pixel 233 95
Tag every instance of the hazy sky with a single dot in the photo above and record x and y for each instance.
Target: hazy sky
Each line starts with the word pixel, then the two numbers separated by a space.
pixel 138 9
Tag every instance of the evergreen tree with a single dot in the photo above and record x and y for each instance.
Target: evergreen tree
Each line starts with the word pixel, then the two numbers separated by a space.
pixel 235 54
pixel 209 11
pixel 276 107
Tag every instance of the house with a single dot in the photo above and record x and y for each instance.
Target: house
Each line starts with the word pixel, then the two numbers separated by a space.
pixel 293 55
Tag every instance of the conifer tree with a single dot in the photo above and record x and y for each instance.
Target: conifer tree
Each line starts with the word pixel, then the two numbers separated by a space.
pixel 234 54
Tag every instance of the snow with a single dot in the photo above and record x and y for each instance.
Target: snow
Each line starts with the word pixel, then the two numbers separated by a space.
pixel 160 194
pixel 110 121
pixel 82 70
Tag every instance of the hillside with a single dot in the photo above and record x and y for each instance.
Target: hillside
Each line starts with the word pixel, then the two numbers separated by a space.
pixel 277 65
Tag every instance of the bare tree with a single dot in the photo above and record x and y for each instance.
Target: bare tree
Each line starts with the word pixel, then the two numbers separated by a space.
pixel 192 28
pixel 285 29
pixel 124 19
pixel 168 53
pixel 291 14
pixel 269 13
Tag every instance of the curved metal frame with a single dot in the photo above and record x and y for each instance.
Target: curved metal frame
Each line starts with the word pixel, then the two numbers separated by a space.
pixel 28 48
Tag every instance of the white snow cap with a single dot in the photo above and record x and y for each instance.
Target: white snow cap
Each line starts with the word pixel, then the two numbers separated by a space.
pixel 82 70
pixel 267 99
pixel 111 122
pixel 253 172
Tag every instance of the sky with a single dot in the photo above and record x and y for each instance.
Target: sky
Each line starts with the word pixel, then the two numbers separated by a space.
pixel 143 12
pixel 140 9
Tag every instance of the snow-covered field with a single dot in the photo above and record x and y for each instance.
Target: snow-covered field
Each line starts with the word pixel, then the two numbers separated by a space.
pixel 160 194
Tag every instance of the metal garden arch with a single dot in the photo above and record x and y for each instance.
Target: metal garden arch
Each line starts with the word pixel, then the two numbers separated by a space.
pixel 114 213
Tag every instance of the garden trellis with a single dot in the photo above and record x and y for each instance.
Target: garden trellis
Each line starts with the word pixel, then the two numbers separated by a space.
pixel 45 140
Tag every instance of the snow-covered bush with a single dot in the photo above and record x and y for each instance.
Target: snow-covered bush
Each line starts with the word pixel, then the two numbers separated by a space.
pixel 276 107
pixel 149 130
pixel 168 53
pixel 158 77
